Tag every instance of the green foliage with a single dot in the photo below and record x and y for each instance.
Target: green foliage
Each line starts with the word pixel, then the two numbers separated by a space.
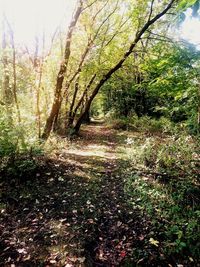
pixel 167 86
pixel 175 220
pixel 143 124
pixel 11 137
pixel 163 183
pixel 120 124
pixel 149 125
pixel 17 150
pixel 175 156
pixel 8 140
pixel 14 140
pixel 184 4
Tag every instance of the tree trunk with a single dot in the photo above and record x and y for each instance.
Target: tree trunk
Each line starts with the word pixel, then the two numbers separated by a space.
pixel 87 118
pixel 120 63
pixel 14 87
pixel 81 100
pixel 70 113
pixel 6 92
pixel 61 73
pixel 15 84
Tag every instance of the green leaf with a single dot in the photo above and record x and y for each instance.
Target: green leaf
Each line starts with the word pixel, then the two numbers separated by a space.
pixel 184 4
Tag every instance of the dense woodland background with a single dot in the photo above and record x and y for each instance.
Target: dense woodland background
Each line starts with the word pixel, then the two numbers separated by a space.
pixel 116 60
pixel 124 64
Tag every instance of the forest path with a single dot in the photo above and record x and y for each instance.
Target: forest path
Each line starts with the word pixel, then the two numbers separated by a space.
pixel 74 212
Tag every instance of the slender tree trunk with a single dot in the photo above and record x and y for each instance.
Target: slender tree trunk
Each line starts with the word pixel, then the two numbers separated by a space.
pixel 38 89
pixel 6 90
pixel 61 73
pixel 87 118
pixel 81 100
pixel 14 87
pixel 38 86
pixel 120 63
pixel 70 113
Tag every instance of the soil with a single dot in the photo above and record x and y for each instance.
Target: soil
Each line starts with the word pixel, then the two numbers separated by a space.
pixel 72 210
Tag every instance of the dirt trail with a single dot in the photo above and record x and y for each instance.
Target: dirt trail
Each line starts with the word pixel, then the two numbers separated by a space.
pixel 74 212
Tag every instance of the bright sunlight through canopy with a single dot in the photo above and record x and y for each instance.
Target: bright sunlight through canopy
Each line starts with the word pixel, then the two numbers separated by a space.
pixel 190 29
pixel 30 18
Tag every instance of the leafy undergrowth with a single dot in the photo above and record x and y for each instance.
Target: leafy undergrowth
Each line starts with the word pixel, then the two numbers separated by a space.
pixel 85 205
pixel 162 181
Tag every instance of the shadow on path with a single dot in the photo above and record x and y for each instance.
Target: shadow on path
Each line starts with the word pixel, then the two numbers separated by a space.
pixel 73 212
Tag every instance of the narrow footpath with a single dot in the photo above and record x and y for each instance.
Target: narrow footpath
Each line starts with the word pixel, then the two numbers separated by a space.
pixel 73 211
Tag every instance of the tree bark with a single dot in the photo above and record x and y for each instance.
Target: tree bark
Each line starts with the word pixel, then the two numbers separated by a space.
pixel 108 75
pixel 81 100
pixel 14 87
pixel 86 119
pixel 61 73
pixel 6 92
pixel 70 113
pixel 15 81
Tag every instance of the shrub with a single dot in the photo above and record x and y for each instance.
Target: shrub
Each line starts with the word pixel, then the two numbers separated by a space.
pixel 120 124
pixel 16 152
pixel 172 204
pixel 176 222
pixel 174 155
pixel 149 125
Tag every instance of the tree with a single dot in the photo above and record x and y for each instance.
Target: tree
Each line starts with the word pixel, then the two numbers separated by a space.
pixel 61 73
pixel 108 75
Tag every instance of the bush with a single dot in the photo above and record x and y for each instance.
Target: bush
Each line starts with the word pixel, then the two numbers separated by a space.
pixel 163 183
pixel 149 125
pixel 176 222
pixel 120 124
pixel 144 124
pixel 16 152
pixel 8 140
pixel 175 155
pixel 193 126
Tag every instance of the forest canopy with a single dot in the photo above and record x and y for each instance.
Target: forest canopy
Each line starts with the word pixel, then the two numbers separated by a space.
pixel 120 55
pixel 99 133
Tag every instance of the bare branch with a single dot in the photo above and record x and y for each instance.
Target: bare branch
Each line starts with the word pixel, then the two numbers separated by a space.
pixel 88 47
pixel 84 93
pixel 105 20
pixel 99 11
pixel 151 9
pixel 108 75
pixel 88 6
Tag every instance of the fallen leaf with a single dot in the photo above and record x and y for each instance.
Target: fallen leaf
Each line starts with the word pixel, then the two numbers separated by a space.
pixel 52 261
pixel 91 221
pixel 81 260
pixel 154 242
pixel 119 224
pixel 123 254
pixel 141 237
pixel 140 261
pixel 191 259
pixel 22 251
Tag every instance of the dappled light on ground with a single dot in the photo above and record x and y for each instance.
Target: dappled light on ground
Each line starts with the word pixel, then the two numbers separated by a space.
pixel 75 212
pixel 77 209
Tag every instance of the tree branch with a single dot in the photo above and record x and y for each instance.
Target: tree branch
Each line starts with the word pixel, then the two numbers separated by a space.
pixel 120 63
